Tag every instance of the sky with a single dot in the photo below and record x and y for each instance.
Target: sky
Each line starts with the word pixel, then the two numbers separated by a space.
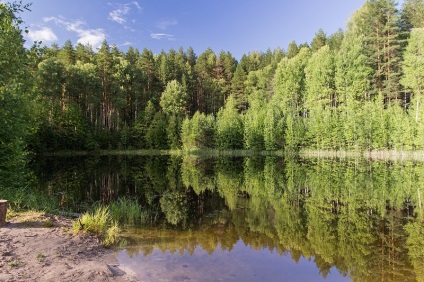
pixel 237 26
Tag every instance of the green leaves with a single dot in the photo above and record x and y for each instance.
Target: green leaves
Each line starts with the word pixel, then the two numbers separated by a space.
pixel 174 99
pixel 14 98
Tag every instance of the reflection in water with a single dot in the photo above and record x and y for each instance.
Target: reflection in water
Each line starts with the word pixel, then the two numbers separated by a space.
pixel 238 264
pixel 359 218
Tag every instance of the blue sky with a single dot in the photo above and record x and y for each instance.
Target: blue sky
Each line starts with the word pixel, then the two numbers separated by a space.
pixel 231 25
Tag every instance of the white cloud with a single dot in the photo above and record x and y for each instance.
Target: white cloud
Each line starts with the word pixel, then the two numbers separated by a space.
pixel 166 23
pixel 126 43
pixel 94 37
pixel 119 15
pixel 161 36
pixel 44 34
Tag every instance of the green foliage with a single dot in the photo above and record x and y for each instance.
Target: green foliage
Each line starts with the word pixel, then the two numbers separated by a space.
pixel 254 129
pixel 289 82
pixel 198 132
pixel 128 212
pixel 15 98
pixel 413 14
pixel 156 137
pixel 321 100
pixel 274 129
pixel 320 40
pixel 412 80
pixel 318 96
pixel 173 132
pixel 98 223
pixel 95 222
pixel 175 208
pixel 229 127
pixel 174 99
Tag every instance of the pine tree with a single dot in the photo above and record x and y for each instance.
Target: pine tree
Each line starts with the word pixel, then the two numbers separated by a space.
pixel 67 54
pixel 292 50
pixel 378 22
pixel 238 89
pixel 84 53
pixel 104 62
pixel 335 40
pixel 412 14
pixel 320 40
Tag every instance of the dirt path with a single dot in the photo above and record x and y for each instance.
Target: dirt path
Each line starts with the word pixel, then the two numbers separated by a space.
pixel 37 247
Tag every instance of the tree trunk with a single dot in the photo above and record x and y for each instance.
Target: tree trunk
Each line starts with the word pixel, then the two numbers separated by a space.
pixel 3 211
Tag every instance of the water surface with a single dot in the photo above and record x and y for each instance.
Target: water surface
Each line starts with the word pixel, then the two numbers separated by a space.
pixel 256 218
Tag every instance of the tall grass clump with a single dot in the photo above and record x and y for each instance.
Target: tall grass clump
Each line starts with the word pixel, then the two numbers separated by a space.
pixel 99 223
pixel 129 212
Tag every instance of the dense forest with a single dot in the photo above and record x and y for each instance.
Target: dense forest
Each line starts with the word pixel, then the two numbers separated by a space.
pixel 358 89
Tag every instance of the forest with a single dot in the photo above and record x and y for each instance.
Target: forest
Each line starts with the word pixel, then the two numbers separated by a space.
pixel 355 90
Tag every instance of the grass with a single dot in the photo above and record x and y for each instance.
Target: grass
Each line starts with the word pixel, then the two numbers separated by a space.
pixel 95 222
pixel 105 221
pixel 128 212
pixel 48 223
pixel 40 257
pixel 98 223
pixel 14 263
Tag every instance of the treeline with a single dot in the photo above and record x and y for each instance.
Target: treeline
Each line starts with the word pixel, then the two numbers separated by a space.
pixel 358 89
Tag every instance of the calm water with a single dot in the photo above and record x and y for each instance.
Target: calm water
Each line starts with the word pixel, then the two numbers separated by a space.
pixel 256 218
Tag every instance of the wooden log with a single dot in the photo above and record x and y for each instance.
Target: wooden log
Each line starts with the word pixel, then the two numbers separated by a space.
pixel 3 211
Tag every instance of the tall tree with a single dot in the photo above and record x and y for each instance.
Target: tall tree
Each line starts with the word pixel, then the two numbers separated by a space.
pixel 412 14
pixel 204 68
pixel 320 40
pixel 84 53
pixel 229 127
pixel 147 66
pixel 104 61
pixel 174 99
pixel 378 22
pixel 321 100
pixel 289 82
pixel 292 49
pixel 238 89
pixel 413 80
pixel 335 40
pixel 15 86
pixel 67 54
pixel 352 82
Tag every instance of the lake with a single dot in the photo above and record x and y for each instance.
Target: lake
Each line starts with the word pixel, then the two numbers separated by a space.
pixel 254 218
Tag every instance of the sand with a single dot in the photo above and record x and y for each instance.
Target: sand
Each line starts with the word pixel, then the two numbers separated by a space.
pixel 39 247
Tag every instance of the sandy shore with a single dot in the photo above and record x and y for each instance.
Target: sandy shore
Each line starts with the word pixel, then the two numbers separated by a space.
pixel 38 247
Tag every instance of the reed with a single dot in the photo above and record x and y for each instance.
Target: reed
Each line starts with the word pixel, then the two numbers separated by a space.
pixel 93 222
pixel 98 223
pixel 129 212
pixel 105 221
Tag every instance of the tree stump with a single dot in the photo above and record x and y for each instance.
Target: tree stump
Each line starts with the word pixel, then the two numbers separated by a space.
pixel 3 211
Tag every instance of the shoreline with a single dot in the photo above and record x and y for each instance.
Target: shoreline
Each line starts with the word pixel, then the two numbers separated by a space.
pixel 395 155
pixel 41 247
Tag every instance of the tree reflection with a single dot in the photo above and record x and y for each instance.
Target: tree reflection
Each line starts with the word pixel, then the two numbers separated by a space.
pixel 363 217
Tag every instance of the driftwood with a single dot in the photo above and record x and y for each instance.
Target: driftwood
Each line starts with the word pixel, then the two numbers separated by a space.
pixel 69 214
